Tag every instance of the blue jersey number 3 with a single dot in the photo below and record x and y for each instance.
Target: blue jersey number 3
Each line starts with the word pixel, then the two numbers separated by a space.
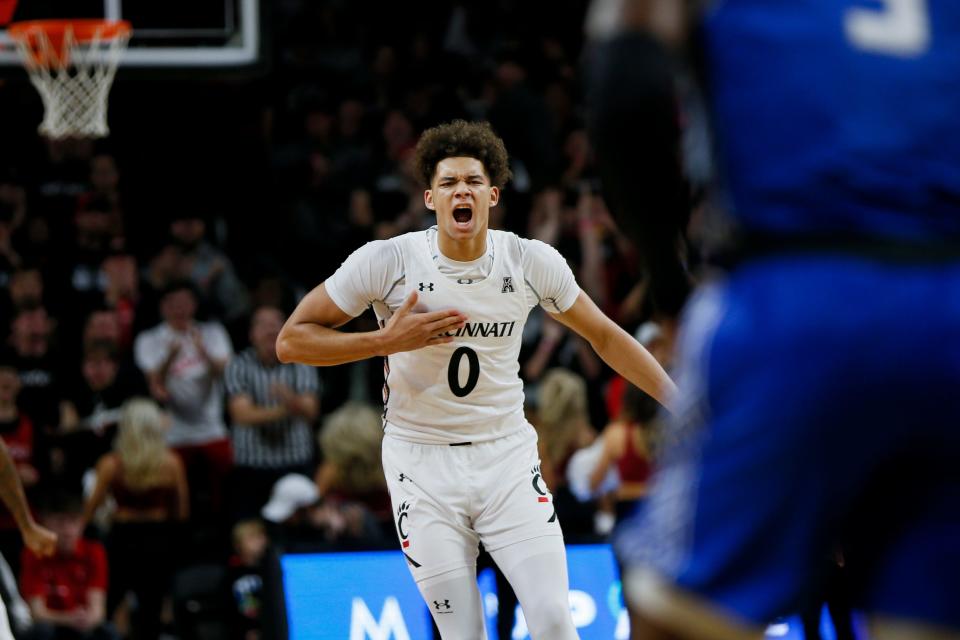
pixel 900 28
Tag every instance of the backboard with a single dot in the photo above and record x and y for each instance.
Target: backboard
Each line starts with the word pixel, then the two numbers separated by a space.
pixel 168 34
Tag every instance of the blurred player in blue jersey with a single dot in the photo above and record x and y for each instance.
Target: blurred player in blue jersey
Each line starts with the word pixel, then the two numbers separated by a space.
pixel 821 374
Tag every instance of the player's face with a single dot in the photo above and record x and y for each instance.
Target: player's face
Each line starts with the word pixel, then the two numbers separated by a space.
pixel 462 195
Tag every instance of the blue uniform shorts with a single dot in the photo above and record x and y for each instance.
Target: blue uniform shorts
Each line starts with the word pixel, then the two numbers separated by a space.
pixel 821 403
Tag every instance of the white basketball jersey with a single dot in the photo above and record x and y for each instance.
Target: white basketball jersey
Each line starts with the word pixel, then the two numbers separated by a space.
pixel 468 390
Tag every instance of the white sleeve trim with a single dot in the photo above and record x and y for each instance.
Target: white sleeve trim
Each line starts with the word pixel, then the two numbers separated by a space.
pixel 548 276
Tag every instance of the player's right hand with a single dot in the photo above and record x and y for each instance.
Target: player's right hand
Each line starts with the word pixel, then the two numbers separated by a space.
pixel 40 540
pixel 407 329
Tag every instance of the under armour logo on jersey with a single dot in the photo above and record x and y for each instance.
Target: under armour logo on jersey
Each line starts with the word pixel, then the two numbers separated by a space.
pixel 426 287
pixel 507 285
pixel 442 604
pixel 403 477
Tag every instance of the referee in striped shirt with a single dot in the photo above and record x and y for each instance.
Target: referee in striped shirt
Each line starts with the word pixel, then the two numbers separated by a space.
pixel 272 408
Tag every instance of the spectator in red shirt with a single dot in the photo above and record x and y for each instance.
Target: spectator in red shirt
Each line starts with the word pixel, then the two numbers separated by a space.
pixel 67 591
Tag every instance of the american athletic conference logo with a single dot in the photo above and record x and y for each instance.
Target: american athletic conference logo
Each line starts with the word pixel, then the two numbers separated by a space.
pixel 541 489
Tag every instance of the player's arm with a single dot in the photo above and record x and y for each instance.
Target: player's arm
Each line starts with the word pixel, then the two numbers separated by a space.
pixel 38 539
pixel 310 334
pixel 618 349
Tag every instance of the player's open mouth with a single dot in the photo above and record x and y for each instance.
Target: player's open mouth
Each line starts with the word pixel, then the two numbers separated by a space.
pixel 462 213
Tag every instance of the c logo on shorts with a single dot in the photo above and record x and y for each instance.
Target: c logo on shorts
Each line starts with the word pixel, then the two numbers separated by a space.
pixel 543 495
pixel 402 514
pixel 536 484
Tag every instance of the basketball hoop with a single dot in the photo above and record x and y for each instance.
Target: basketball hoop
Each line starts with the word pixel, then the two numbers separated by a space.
pixel 72 64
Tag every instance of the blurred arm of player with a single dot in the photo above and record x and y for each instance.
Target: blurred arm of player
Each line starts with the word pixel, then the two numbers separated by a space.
pixel 41 541
pixel 310 334
pixel 635 129
pixel 618 349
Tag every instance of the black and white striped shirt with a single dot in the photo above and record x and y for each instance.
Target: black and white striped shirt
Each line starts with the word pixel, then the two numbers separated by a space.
pixel 286 443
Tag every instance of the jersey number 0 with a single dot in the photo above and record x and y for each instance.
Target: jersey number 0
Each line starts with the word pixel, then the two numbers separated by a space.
pixel 473 371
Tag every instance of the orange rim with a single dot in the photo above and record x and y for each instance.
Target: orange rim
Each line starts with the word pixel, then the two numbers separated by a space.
pixel 82 31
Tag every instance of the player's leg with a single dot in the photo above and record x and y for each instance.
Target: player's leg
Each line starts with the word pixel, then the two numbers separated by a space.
pixel 440 546
pixel 455 604
pixel 909 586
pixel 798 402
pixel 740 509
pixel 518 524
pixel 890 459
pixel 910 536
pixel 537 571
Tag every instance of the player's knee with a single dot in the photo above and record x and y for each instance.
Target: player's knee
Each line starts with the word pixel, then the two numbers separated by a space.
pixel 463 634
pixel 461 630
pixel 550 620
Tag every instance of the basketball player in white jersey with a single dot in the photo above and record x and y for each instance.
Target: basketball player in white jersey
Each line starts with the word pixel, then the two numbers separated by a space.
pixel 460 459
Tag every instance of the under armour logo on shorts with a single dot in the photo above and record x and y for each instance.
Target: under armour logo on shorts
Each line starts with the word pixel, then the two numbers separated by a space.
pixel 426 287
pixel 438 604
pixel 507 285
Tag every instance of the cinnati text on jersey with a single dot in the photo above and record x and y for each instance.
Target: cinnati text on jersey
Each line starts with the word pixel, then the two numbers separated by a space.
pixel 484 330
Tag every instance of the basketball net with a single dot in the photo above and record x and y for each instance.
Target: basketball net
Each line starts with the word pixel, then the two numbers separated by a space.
pixel 72 64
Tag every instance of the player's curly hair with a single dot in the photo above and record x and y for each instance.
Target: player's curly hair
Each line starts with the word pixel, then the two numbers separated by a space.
pixel 466 139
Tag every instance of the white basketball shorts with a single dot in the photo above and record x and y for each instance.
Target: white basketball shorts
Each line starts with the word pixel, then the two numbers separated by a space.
pixel 448 498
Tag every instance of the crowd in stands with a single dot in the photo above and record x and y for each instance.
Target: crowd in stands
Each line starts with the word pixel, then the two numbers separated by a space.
pixel 140 393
